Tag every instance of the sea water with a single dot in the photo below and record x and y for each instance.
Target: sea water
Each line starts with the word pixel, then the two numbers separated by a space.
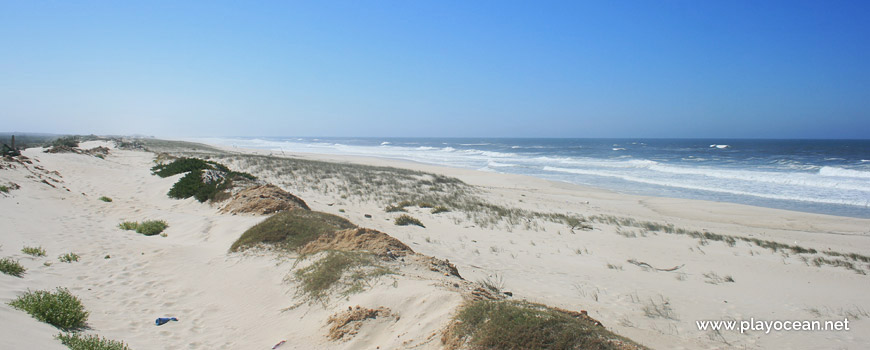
pixel 820 176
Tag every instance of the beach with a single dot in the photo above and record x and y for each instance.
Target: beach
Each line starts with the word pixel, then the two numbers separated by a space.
pixel 648 268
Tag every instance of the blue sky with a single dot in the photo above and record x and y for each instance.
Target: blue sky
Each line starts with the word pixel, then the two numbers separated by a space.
pixel 753 69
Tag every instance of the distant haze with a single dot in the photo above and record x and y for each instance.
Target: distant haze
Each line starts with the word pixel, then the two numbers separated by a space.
pixel 691 69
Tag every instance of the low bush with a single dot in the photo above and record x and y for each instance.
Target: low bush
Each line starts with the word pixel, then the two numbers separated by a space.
pixel 439 209
pixel 195 184
pixel 60 308
pixel 151 227
pixel 291 229
pixel 105 199
pixel 33 251
pixel 77 341
pixel 128 225
pixel 67 141
pixel 406 220
pixel 68 257
pixel 521 325
pixel 11 267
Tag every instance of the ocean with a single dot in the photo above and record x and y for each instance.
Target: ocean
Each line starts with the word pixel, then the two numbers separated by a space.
pixel 818 176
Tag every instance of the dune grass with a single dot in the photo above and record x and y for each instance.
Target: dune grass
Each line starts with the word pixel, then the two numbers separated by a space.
pixel 353 269
pixel 291 229
pixel 522 325
pixel 59 308
pixel 68 257
pixel 405 220
pixel 33 251
pixel 11 267
pixel 439 209
pixel 78 341
pixel 148 227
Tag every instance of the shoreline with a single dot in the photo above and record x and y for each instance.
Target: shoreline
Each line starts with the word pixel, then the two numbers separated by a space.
pixel 637 189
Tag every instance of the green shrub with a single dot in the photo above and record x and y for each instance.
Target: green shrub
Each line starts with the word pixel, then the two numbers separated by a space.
pixel 67 141
pixel 521 325
pixel 151 227
pixel 68 257
pixel 183 165
pixel 291 229
pixel 406 220
pixel 60 309
pixel 193 185
pixel 128 225
pixel 439 209
pixel 34 251
pixel 4 188
pixel 105 199
pixel 11 267
pixel 77 341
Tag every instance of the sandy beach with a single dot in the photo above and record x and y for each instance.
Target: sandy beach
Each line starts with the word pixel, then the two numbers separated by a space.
pixel 638 266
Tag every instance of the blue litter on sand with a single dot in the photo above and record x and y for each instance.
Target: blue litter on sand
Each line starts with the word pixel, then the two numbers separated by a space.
pixel 164 320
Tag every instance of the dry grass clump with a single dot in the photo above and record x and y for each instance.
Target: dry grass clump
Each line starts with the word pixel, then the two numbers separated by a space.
pixel 348 323
pixel 406 220
pixel 439 209
pixel 489 324
pixel 291 229
pixel 347 271
pixel 358 239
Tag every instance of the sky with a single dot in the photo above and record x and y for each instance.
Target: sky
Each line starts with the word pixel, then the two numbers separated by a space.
pixel 681 69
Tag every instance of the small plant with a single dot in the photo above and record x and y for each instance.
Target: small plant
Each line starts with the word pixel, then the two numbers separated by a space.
pixel 406 220
pixel 77 341
pixel 105 199
pixel 393 209
pixel 440 209
pixel 33 251
pixel 68 257
pixel 494 283
pixel 128 225
pixel 425 205
pixel 151 227
pixel 341 210
pixel 60 308
pixel 4 188
pixel 11 267
pixel 659 309
pixel 332 269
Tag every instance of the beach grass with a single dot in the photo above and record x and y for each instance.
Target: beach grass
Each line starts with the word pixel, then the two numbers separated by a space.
pixel 352 269
pixel 147 227
pixel 78 341
pixel 291 229
pixel 488 324
pixel 33 251
pixel 59 308
pixel 68 257
pixel 11 267
pixel 405 220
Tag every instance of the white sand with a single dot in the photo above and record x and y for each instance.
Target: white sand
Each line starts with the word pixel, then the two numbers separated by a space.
pixel 236 301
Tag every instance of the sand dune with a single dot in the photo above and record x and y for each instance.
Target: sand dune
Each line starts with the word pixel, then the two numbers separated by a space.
pixel 245 301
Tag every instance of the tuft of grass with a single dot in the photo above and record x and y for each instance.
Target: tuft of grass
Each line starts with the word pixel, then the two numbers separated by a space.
pixel 68 257
pixel 394 209
pixel 77 341
pixel 105 199
pixel 4 188
pixel 406 220
pixel 440 209
pixel 494 283
pixel 425 205
pixel 33 251
pixel 659 309
pixel 151 227
pixel 320 277
pixel 291 229
pixel 128 225
pixel 60 308
pixel 489 324
pixel 11 267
